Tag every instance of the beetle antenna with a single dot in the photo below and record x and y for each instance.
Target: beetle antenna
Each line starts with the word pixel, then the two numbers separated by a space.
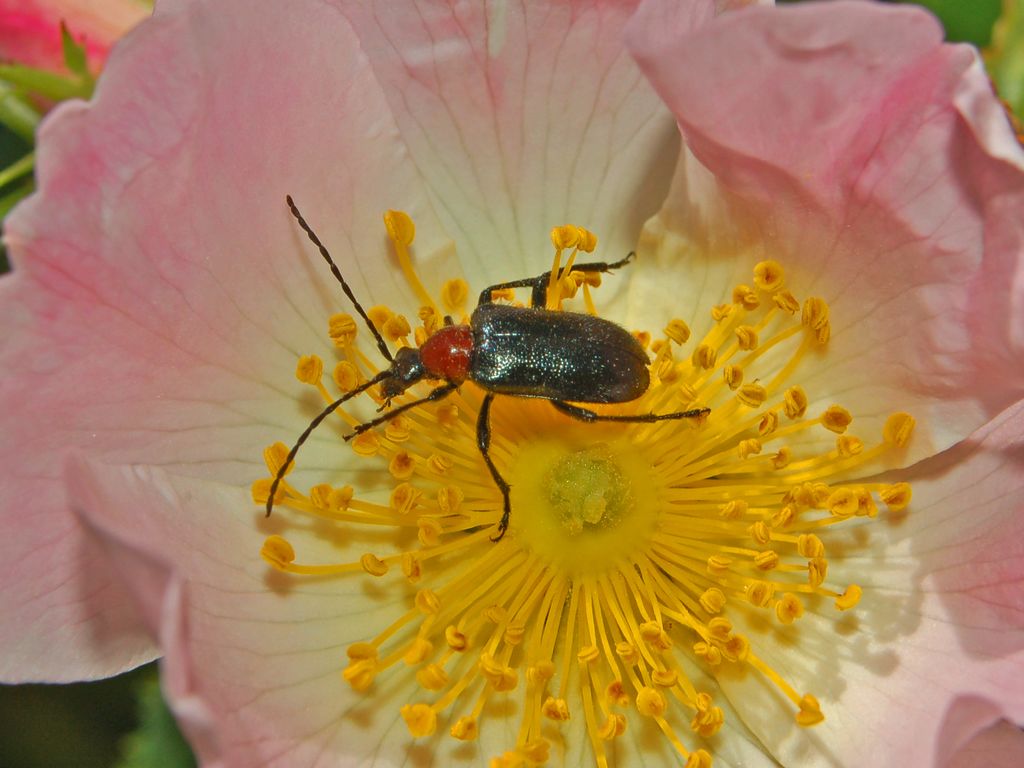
pixel 313 425
pixel 337 273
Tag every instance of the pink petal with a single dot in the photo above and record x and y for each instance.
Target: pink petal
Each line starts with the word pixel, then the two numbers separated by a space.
pixel 935 650
pixel 1001 745
pixel 162 293
pixel 846 141
pixel 527 115
pixel 252 660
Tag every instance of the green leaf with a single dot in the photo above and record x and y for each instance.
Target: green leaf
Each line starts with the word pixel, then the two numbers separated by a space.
pixel 17 169
pixel 156 743
pixel 1005 59
pixel 17 114
pixel 74 53
pixel 40 82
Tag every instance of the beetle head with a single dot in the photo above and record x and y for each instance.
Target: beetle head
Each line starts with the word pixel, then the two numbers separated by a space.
pixel 406 369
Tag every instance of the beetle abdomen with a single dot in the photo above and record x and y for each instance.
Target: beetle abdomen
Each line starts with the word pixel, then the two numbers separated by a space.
pixel 556 355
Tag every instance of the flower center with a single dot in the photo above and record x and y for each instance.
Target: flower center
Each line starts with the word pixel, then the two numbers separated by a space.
pixel 635 550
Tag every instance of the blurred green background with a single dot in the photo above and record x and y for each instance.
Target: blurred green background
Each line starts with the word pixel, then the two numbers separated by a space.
pixel 121 722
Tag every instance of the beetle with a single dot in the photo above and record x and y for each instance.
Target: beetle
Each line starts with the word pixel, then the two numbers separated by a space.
pixel 561 357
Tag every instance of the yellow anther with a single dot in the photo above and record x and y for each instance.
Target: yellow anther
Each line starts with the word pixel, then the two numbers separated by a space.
pixel 342 329
pixel 701 758
pixel 373 565
pixel 261 491
pixel 760 532
pixel 782 457
pixel 810 711
pixel 898 429
pixel 643 338
pixel 817 570
pixel 760 593
pixel 403 498
pixel 664 678
pixel 736 648
pixel 397 327
pixel 783 517
pixel 320 495
pixel 400 227
pixel 704 356
pixel 628 652
pixel 746 335
pixel 733 509
pixel 720 628
pixel 769 276
pixel 836 419
pixel 815 314
pixel 555 709
pixel 720 312
pixel 709 653
pixel 361 651
pixel 786 301
pixel 650 702
pixel 454 294
pixel 338 499
pixel 795 402
pixel 565 236
pixel 733 376
pixel 514 633
pixel 678 331
pixel 789 608
pixel 309 369
pixel 718 564
pixel 447 414
pixel 359 674
pixel 708 723
pixel 456 640
pixel 428 602
pixel 419 650
pixel 843 502
pixel 766 560
pixel 278 552
pixel 274 457
pixel 613 727
pixel 712 600
pixel 540 672
pixel 848 445
pixel 398 430
pixel 746 297
pixel 752 395
pixel 430 317
pixel 588 654
pixel 588 240
pixel 449 498
pixel 439 464
pixel 896 496
pixel 411 567
pixel 345 375
pixel 749 447
pixel 615 694
pixel 850 597
pixel 402 465
pixel 809 545
pixel 536 751
pixel 421 719
pixel 432 677
pixel 428 531
pixel 379 314
pixel 365 444
pixel 465 729
pixel 496 614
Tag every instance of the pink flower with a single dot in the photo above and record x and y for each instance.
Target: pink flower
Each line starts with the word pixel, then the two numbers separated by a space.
pixel 30 29
pixel 838 156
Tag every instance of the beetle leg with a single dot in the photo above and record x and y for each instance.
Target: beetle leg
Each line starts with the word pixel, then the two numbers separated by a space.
pixel 437 394
pixel 483 442
pixel 585 414
pixel 539 284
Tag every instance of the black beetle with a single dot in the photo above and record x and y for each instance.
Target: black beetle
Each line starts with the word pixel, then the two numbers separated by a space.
pixel 505 350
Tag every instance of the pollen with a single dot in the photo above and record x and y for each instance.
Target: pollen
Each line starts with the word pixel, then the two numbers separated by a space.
pixel 644 562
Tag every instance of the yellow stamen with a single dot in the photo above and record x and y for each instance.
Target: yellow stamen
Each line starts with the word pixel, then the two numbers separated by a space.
pixel 634 551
